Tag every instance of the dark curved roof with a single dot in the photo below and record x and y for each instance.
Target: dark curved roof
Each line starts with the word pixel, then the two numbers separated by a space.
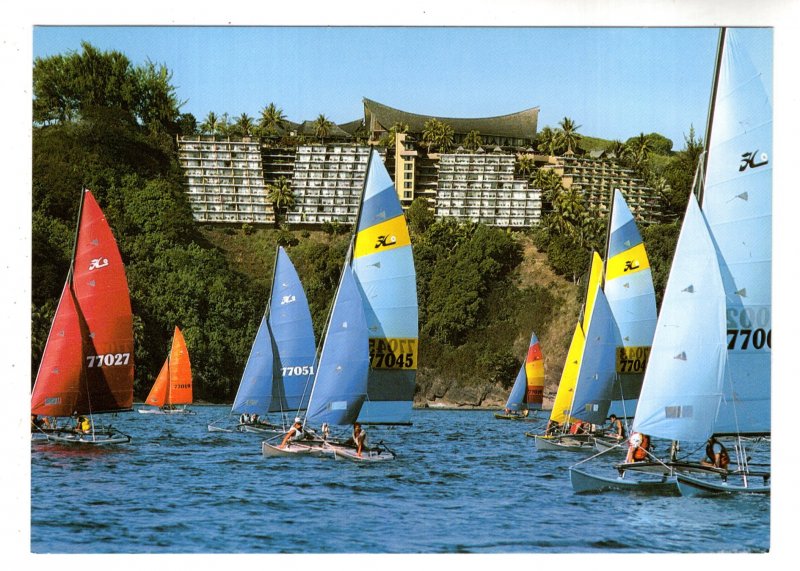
pixel 519 125
pixel 309 128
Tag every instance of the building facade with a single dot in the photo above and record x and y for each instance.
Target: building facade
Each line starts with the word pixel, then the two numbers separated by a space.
pixel 481 187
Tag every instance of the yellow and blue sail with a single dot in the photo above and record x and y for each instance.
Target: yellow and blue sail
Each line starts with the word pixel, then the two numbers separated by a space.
pixel 383 265
pixel 631 297
pixel 528 390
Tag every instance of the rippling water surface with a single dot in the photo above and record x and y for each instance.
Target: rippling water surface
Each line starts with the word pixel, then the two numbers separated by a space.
pixel 463 482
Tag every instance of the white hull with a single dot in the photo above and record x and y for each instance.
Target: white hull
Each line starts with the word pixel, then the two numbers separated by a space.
pixel 294 449
pixel 693 486
pixel 567 443
pixel 584 483
pixel 265 429
pixel 349 453
pixel 162 411
pixel 98 438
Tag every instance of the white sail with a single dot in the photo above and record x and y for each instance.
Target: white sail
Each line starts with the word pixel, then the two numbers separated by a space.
pixel 682 386
pixel 737 203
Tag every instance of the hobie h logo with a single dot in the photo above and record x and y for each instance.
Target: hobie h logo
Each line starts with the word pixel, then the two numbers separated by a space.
pixel 286 299
pixel 631 265
pixel 98 263
pixel 749 160
pixel 385 241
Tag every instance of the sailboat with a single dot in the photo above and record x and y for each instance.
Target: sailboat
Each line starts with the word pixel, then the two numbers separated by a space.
pixel 383 265
pixel 87 365
pixel 280 368
pixel 528 390
pixel 340 381
pixel 615 334
pixel 709 370
pixel 172 389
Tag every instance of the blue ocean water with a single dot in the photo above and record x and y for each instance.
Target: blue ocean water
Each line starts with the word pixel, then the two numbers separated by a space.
pixel 463 482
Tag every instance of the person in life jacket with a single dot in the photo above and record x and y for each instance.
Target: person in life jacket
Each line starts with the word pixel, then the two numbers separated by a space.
pixel 359 438
pixel 638 444
pixel 717 454
pixel 294 434
pixel 83 425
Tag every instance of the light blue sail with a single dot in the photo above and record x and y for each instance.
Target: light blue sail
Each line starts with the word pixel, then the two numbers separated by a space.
pixel 597 372
pixel 383 265
pixel 278 373
pixel 340 386
pixel 682 387
pixel 737 202
pixel 517 396
pixel 631 296
pixel 293 334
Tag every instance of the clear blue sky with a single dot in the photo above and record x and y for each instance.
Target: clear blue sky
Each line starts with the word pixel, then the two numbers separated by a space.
pixel 614 82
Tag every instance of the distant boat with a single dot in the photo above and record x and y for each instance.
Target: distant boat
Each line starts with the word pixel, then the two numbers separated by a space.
pixel 172 389
pixel 709 369
pixel 383 265
pixel 87 365
pixel 280 369
pixel 528 391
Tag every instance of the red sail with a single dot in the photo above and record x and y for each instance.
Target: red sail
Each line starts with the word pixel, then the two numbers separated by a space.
pixel 180 372
pixel 100 322
pixel 158 394
pixel 60 377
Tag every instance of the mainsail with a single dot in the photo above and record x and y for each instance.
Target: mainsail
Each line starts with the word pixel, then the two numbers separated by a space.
pixel 174 382
pixel 682 387
pixel 340 384
pixel 737 202
pixel 631 297
pixel 383 265
pixel 280 366
pixel 87 365
pixel 527 392
pixel 562 405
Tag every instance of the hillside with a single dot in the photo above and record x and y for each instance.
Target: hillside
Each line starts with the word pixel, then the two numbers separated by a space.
pixel 476 373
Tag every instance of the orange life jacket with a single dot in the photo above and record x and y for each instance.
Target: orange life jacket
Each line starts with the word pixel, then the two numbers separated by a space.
pixel 640 452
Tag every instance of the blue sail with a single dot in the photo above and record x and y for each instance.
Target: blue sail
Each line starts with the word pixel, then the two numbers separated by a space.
pixel 293 334
pixel 737 202
pixel 281 362
pixel 517 396
pixel 682 388
pixel 383 264
pixel 255 388
pixel 631 297
pixel 340 386
pixel 597 372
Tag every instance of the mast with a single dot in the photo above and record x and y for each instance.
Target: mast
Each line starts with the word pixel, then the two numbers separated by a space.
pixel 361 202
pixel 700 180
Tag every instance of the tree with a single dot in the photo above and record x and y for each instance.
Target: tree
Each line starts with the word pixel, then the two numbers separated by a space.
pixel 437 134
pixel 272 120
pixel 209 124
pixel 568 136
pixel 281 196
pixel 243 126
pixel 158 107
pixel 322 127
pixel 388 140
pixel 639 152
pixel 473 140
pixel 419 216
pixel 546 141
pixel 525 165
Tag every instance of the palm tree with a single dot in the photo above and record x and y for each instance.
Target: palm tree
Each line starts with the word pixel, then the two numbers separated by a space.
pixel 473 140
pixel 525 165
pixel 640 151
pixel 617 148
pixel 546 141
pixel 568 135
pixel 281 196
pixel 322 127
pixel 437 134
pixel 388 140
pixel 272 119
pixel 209 125
pixel 244 125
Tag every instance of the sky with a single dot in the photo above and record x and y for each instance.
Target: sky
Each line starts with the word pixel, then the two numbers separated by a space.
pixel 614 82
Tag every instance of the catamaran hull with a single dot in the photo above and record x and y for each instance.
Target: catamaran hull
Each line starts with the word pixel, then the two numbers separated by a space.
pixel 585 483
pixel 609 444
pixel 294 449
pixel 500 416
pixel 92 439
pixel 268 430
pixel 159 411
pixel 576 443
pixel 690 486
pixel 346 453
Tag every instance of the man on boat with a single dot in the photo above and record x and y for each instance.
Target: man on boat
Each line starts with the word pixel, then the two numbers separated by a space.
pixel 359 438
pixel 617 430
pixel 717 454
pixel 638 445
pixel 83 425
pixel 295 433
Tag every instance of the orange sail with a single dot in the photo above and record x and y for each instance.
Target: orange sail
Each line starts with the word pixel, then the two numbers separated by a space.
pixel 174 383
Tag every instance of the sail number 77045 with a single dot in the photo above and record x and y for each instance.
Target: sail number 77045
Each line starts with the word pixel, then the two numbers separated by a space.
pixel 393 353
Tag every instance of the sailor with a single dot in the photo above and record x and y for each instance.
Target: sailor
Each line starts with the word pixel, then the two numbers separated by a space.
pixel 617 429
pixel 638 444
pixel 359 437
pixel 295 433
pixel 83 425
pixel 243 418
pixel 717 454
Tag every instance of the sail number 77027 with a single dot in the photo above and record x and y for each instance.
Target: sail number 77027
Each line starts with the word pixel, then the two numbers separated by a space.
pixel 108 360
